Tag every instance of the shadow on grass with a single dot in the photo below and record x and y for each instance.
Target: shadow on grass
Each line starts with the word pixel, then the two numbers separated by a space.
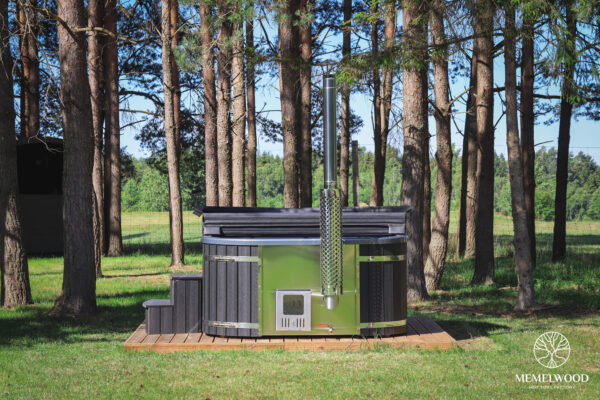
pixel 158 248
pixel 105 276
pixel 461 330
pixel 35 325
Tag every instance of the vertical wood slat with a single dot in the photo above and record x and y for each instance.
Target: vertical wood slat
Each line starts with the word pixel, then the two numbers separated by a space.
pixel 153 320
pixel 231 291
pixel 192 307
pixel 179 300
pixel 166 319
pixel 245 289
pixel 254 291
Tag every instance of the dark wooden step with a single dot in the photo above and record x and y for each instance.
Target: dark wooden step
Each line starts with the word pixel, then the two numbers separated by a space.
pixel 182 313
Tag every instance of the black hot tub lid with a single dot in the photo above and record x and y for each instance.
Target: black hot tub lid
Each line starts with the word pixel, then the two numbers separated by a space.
pixel 295 222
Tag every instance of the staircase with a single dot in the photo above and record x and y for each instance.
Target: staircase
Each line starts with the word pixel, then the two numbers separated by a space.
pixel 182 313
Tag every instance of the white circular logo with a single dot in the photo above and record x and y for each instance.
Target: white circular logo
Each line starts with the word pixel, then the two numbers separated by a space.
pixel 551 349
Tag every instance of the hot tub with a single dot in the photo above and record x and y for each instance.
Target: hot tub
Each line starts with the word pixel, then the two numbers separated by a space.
pixel 262 273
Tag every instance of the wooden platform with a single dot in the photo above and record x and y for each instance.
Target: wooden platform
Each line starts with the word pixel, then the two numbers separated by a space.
pixel 422 333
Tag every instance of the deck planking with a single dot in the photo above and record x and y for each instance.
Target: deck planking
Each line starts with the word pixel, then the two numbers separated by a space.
pixel 422 333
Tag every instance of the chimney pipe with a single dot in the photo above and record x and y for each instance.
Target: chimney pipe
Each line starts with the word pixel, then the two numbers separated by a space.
pixel 331 206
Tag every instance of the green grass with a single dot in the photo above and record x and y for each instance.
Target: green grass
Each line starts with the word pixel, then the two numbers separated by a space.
pixel 49 357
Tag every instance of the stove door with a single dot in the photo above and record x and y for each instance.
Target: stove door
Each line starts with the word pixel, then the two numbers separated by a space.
pixel 292 310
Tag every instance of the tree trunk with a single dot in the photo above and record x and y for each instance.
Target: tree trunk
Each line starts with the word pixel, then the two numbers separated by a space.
pixel 438 246
pixel 472 157
pixel 468 170
pixel 79 280
pixel 95 44
pixel 527 127
pixel 376 189
pixel 386 90
pixel 288 84
pixel 25 69
pixel 305 36
pixel 14 286
pixel 484 245
pixel 31 70
pixel 251 113
pixel 426 194
pixel 414 86
pixel 385 104
pixel 523 261
pixel 239 120
pixel 175 209
pixel 210 108
pixel 345 109
pixel 559 245
pixel 112 221
pixel 223 108
pixel 174 22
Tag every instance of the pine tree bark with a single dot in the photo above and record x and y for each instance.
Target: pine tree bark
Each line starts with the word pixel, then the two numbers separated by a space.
pixel 79 280
pixel 414 87
pixel 385 105
pixel 523 260
pixel 468 163
pixel 484 230
pixel 174 22
pixel 30 94
pixel 95 45
pixel 14 286
pixel 223 108
pixel 472 159
pixel 527 127
pixel 239 120
pixel 112 146
pixel 559 245
pixel 426 194
pixel 376 189
pixel 169 88
pixel 25 68
pixel 345 109
pixel 251 103
pixel 210 108
pixel 288 84
pixel 305 119
pixel 438 246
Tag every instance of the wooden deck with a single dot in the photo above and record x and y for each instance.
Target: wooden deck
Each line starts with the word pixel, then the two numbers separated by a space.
pixel 422 333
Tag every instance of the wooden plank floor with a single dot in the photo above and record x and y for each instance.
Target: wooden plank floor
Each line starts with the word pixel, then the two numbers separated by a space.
pixel 422 333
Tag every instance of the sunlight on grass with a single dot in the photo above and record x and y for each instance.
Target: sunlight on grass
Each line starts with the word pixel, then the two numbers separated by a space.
pixel 50 357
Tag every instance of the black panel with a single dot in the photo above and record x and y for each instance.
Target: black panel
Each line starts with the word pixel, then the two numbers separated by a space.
pixel 382 289
pixel 278 222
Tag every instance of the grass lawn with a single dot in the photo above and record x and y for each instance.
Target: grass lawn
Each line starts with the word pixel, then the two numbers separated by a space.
pixel 49 357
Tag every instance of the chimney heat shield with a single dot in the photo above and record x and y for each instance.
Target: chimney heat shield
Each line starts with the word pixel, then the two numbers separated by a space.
pixel 331 206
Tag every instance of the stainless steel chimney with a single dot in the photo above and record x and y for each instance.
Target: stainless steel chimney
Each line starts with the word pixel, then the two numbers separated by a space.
pixel 331 206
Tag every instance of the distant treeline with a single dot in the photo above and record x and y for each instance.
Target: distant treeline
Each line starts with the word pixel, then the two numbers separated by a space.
pixel 145 186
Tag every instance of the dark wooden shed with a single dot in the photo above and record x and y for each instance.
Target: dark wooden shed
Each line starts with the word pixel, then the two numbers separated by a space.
pixel 40 165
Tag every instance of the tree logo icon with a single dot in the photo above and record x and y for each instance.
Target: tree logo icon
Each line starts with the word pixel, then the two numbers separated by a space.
pixel 551 349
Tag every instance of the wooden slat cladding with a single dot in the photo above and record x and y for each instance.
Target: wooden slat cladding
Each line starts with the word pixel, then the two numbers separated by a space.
pixel 182 313
pixel 382 288
pixel 230 290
